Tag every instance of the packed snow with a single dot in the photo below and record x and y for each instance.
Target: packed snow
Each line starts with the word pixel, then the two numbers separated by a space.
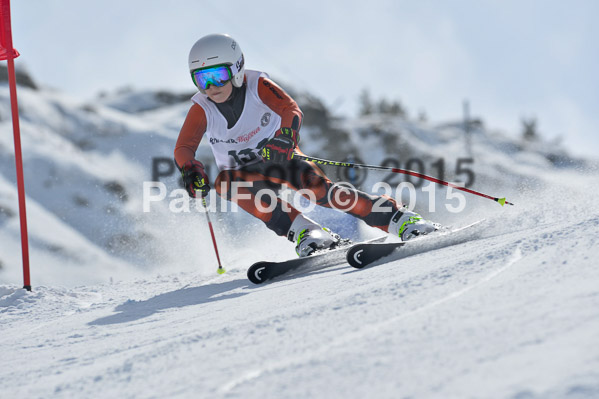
pixel 128 304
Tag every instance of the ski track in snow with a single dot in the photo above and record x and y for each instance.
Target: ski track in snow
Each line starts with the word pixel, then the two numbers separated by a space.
pixel 362 332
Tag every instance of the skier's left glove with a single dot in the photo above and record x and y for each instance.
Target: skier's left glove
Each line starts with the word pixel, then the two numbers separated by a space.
pixel 195 178
pixel 280 148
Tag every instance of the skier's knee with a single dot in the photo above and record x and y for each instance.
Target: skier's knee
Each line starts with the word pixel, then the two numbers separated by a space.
pixel 222 183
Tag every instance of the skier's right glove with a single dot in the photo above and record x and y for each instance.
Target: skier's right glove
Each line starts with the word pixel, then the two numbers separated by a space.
pixel 195 178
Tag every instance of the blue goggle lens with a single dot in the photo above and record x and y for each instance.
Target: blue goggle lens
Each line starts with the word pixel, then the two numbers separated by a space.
pixel 217 76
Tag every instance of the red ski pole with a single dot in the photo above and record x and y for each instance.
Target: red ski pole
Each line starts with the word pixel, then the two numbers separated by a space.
pixel 326 162
pixel 220 270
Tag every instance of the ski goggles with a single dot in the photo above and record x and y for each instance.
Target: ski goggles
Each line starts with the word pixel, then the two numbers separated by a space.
pixel 217 75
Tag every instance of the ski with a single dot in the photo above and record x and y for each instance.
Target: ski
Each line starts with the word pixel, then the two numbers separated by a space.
pixel 263 271
pixel 363 254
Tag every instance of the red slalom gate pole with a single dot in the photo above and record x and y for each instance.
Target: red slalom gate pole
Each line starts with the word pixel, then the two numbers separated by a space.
pixel 8 53
pixel 326 162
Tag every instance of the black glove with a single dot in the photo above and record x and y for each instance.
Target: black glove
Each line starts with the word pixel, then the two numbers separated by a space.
pixel 280 148
pixel 195 178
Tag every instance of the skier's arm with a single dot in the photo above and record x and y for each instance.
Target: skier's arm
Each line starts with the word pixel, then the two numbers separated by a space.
pixel 190 136
pixel 281 103
pixel 280 147
pixel 192 171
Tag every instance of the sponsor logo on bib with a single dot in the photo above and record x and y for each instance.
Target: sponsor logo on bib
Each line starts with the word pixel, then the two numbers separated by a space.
pixel 265 119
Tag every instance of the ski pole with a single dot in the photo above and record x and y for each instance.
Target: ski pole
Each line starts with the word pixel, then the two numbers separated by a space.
pixel 220 270
pixel 326 162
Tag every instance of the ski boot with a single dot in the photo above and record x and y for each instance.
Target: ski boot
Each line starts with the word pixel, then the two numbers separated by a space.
pixel 310 237
pixel 406 225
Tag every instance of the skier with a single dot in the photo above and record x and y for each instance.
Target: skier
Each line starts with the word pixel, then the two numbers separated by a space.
pixel 254 130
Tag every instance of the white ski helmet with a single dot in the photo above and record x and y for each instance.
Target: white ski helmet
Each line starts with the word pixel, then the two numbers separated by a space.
pixel 218 49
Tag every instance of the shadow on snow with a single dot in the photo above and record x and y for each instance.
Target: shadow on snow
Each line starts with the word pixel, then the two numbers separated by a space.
pixel 188 296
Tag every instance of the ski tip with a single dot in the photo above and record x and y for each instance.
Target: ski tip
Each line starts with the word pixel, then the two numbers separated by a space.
pixel 354 257
pixel 221 270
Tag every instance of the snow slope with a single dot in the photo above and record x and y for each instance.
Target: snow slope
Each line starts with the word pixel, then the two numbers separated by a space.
pixel 128 304
pixel 85 165
pixel 513 313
